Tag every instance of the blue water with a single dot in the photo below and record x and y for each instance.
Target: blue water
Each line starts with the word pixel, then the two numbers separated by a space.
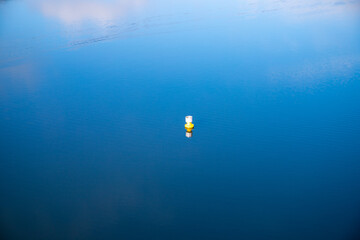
pixel 93 99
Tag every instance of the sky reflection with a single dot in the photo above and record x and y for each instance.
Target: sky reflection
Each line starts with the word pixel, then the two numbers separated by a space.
pixel 97 21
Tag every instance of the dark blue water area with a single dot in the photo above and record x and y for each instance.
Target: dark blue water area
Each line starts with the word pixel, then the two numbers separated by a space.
pixel 93 99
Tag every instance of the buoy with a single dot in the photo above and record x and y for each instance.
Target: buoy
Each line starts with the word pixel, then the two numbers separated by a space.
pixel 189 126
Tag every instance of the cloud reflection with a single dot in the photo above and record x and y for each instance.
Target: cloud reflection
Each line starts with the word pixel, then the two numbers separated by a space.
pixel 79 11
pixel 70 12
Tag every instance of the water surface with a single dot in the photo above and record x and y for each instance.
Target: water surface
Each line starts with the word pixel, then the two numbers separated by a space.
pixel 93 96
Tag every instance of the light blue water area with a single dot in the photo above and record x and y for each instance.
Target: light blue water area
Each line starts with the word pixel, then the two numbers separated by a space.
pixel 93 99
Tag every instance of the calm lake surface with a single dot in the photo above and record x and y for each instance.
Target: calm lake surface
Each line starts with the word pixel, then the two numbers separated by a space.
pixel 93 99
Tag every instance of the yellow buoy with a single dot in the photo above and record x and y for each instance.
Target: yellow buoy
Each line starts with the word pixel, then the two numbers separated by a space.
pixel 189 126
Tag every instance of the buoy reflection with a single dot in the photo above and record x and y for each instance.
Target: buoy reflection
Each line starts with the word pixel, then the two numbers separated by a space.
pixel 188 134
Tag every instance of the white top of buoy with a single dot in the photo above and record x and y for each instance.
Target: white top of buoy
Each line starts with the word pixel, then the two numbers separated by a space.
pixel 188 119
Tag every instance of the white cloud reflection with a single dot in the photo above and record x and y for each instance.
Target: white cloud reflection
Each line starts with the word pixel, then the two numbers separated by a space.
pixel 70 12
pixel 79 11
